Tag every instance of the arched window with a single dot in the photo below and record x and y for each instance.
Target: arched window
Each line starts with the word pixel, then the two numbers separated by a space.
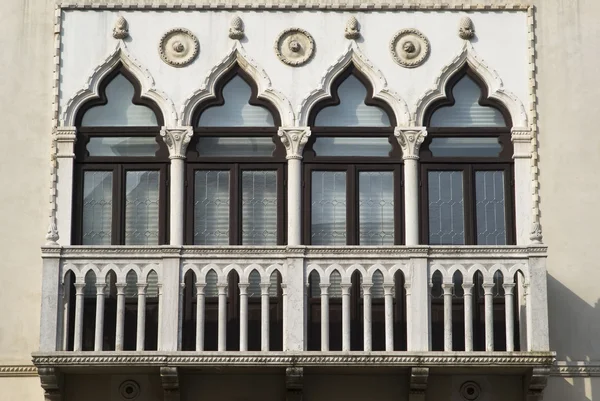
pixel 467 168
pixel 121 167
pixel 235 170
pixel 352 169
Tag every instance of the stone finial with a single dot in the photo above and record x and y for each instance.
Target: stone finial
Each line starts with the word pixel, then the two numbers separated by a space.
pixel 536 233
pixel 410 140
pixel 236 28
pixel 52 233
pixel 294 140
pixel 352 29
pixel 121 29
pixel 465 28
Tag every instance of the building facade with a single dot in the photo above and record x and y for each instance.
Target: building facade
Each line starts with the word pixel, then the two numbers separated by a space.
pixel 299 201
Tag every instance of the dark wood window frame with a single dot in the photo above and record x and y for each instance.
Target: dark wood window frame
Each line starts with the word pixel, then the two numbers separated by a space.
pixel 353 164
pixel 236 164
pixel 468 165
pixel 117 164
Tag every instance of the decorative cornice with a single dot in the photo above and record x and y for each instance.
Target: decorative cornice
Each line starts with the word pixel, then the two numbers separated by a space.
pixel 18 371
pixel 294 140
pixel 410 140
pixel 252 5
pixel 408 359
pixel 177 140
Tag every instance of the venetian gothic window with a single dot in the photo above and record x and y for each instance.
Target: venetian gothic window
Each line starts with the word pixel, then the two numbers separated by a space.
pixel 352 192
pixel 120 167
pixel 467 168
pixel 236 165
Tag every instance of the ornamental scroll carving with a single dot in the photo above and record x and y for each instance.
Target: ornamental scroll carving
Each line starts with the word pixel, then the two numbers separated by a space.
pixel 410 140
pixel 294 140
pixel 177 140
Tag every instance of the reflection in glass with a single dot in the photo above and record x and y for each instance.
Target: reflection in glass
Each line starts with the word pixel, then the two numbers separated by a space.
pixel 97 207
pixel 351 146
pixel 236 111
pixel 465 147
pixel 119 111
pixel 328 202
pixel 129 146
pixel 490 207
pixel 211 207
pixel 352 110
pixel 466 111
pixel 141 207
pixel 376 207
pixel 446 208
pixel 235 146
pixel 259 207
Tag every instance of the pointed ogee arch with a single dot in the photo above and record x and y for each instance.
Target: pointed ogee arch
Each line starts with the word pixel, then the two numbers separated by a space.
pixel 353 55
pixel 91 90
pixel 495 88
pixel 237 56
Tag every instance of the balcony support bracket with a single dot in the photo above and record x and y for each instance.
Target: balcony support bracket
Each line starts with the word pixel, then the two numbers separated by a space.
pixel 418 383
pixel 52 383
pixel 538 378
pixel 170 382
pixel 294 383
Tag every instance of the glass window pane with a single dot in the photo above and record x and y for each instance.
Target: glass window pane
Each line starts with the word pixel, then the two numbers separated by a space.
pixel 446 208
pixel 259 207
pixel 328 202
pixel 235 147
pixel 490 206
pixel 466 111
pixel 236 111
pixel 339 146
pixel 97 207
pixel 465 147
pixel 119 111
pixel 130 146
pixel 211 207
pixel 376 207
pixel 352 110
pixel 141 207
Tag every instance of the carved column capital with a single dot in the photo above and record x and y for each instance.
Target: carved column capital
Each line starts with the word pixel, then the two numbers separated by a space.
pixel 65 138
pixel 521 139
pixel 294 140
pixel 177 140
pixel 410 140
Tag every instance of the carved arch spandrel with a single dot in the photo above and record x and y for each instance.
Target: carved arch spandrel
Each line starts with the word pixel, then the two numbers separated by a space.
pixel 495 88
pixel 353 55
pixel 238 56
pixel 91 90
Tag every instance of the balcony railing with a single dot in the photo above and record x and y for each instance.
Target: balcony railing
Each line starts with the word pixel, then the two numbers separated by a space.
pixel 294 300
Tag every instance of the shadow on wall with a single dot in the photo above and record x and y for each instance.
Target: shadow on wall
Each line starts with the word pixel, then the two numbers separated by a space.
pixel 574 327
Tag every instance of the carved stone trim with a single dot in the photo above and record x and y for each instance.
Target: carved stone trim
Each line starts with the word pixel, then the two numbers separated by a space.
pixel 121 29
pixel 301 359
pixel 18 371
pixel 410 140
pixel 51 381
pixel 576 369
pixel 65 138
pixel 294 140
pixel 178 47
pixel 170 382
pixel 409 47
pixel 251 5
pixel 294 47
pixel 177 140
pixel 418 381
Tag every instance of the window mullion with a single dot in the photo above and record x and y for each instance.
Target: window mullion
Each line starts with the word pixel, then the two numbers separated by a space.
pixel 351 206
pixel 469 205
pixel 118 222
pixel 235 220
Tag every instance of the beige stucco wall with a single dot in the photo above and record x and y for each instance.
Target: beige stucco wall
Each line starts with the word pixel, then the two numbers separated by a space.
pixel 568 36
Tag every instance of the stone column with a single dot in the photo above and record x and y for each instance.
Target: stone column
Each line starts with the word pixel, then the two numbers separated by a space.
pixel 294 140
pixel 410 140
pixel 60 230
pixel 521 139
pixel 177 140
pixel 537 302
pixel 51 321
pixel 418 311
pixel 294 301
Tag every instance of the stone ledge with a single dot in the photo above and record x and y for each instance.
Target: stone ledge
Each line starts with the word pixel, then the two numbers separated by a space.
pixel 303 359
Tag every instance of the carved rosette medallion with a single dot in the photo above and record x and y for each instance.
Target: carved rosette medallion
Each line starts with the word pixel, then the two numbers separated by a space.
pixel 178 47
pixel 409 48
pixel 294 47
pixel 129 390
